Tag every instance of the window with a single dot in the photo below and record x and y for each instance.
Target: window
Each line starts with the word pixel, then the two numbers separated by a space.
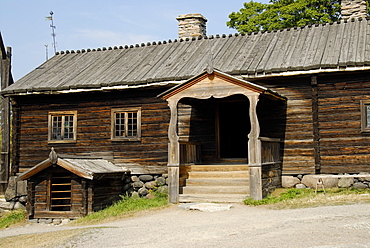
pixel 62 127
pixel 365 116
pixel 126 124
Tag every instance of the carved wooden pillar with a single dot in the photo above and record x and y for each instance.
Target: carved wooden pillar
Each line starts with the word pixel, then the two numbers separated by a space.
pixel 254 151
pixel 173 154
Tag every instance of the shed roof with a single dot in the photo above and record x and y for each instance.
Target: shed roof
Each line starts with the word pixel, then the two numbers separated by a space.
pixel 335 46
pixel 87 168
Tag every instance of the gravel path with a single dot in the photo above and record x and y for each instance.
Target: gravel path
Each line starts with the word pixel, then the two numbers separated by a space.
pixel 241 226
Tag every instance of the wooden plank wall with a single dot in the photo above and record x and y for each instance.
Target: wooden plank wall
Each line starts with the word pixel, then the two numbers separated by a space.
pixel 105 192
pixel 343 148
pixel 196 121
pixel 298 141
pixel 94 127
pixel 38 192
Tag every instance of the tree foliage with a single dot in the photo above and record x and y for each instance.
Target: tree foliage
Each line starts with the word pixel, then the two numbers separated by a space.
pixel 280 14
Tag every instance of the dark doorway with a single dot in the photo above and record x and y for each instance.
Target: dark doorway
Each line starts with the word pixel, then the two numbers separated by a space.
pixel 234 127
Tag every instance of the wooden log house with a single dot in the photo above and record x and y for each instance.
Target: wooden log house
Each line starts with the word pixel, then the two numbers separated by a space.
pixel 225 116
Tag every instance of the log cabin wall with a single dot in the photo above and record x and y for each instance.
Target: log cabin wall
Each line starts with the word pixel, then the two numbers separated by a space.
pixel 106 191
pixel 343 147
pixel 93 126
pixel 297 146
pixel 40 190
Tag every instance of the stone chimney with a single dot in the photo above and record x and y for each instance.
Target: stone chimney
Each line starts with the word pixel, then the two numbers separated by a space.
pixel 353 9
pixel 191 25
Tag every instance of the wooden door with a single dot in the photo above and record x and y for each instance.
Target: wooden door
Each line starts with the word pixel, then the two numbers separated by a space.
pixel 233 129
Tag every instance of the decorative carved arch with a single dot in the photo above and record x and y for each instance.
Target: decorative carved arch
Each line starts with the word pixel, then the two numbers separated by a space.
pixel 218 85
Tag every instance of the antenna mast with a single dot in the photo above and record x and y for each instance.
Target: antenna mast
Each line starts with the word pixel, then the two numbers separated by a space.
pixel 53 34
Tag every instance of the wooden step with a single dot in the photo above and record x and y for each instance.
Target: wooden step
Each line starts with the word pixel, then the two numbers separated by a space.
pixel 220 167
pixel 215 190
pixel 217 182
pixel 221 198
pixel 218 174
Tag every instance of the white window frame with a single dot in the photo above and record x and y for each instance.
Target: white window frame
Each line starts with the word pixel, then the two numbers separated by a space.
pixel 125 136
pixel 62 114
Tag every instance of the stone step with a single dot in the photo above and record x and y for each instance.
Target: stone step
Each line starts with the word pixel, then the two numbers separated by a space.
pixel 218 174
pixel 221 198
pixel 215 190
pixel 220 167
pixel 217 182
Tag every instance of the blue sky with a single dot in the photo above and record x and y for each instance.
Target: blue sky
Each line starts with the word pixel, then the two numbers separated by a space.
pixel 83 24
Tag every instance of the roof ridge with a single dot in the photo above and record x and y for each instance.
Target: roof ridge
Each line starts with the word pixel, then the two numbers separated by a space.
pixel 217 36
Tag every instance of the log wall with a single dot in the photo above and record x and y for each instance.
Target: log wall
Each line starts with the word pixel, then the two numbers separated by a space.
pixel 39 189
pixel 343 147
pixel 297 146
pixel 94 127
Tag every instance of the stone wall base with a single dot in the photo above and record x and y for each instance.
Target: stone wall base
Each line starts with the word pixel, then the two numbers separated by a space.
pixel 330 181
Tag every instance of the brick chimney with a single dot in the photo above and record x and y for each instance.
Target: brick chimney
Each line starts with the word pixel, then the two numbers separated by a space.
pixel 191 25
pixel 353 9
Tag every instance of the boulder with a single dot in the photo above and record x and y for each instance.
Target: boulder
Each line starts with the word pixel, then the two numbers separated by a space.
pixel 161 181
pixel 345 182
pixel 11 190
pixel 300 186
pixel 138 184
pixel 311 181
pixel 143 191
pixel 364 178
pixel 135 179
pixel 289 181
pixel 22 188
pixel 150 185
pixel 359 186
pixel 146 178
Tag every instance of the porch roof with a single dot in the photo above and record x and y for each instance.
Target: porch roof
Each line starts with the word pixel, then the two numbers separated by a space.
pixel 228 78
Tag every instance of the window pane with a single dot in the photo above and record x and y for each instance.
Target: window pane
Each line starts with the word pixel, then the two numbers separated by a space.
pixel 132 124
pixel 68 127
pixel 56 127
pixel 120 125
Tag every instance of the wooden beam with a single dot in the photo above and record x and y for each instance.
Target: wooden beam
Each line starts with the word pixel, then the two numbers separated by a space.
pixel 5 76
pixel 254 151
pixel 315 123
pixel 173 154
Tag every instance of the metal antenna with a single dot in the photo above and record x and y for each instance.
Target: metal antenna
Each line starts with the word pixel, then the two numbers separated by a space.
pixel 53 34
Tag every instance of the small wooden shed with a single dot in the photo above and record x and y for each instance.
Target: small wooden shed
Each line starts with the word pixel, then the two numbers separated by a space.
pixel 72 187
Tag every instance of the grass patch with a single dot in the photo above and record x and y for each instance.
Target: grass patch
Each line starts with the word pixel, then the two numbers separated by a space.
pixel 125 207
pixel 298 198
pixel 12 217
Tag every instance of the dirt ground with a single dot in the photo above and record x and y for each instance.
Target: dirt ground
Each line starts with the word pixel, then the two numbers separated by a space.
pixel 241 226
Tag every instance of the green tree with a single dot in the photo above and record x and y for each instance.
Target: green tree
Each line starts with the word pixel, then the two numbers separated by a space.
pixel 280 14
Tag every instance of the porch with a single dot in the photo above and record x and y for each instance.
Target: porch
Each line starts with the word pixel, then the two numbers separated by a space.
pixel 222 147
pixel 225 181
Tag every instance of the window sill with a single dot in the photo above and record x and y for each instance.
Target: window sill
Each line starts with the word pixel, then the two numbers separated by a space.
pixel 126 139
pixel 62 141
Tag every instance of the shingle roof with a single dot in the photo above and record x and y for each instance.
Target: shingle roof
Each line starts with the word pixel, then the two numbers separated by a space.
pixel 86 168
pixel 336 46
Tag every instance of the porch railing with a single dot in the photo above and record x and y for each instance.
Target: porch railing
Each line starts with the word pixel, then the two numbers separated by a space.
pixel 189 152
pixel 270 150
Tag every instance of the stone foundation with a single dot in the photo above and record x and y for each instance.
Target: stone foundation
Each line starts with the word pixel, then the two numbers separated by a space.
pixel 141 185
pixel 330 181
